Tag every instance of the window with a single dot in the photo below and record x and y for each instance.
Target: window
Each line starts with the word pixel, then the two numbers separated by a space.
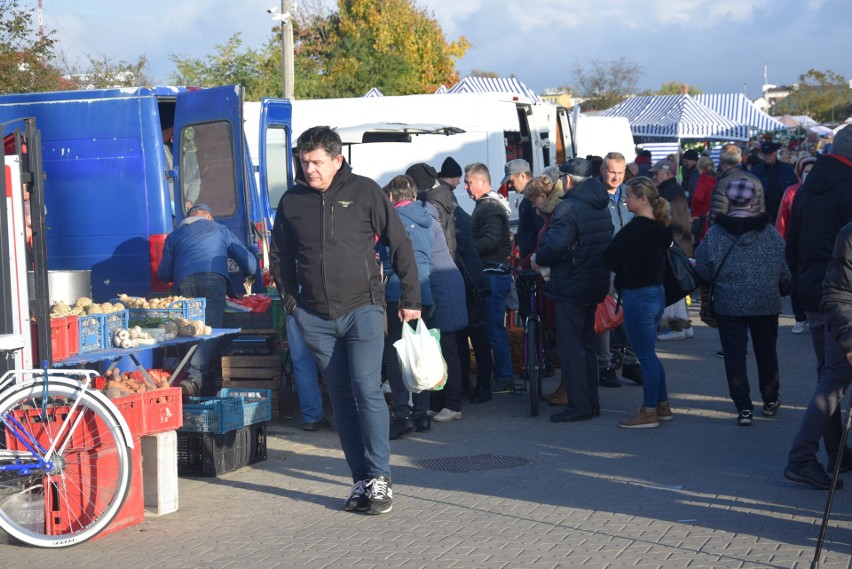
pixel 207 171
pixel 277 153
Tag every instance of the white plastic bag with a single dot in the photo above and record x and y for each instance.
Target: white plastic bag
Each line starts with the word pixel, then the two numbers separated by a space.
pixel 420 359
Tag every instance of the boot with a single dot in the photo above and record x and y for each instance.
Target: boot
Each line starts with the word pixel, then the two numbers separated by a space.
pixel 646 418
pixel 556 393
pixel 401 423
pixel 422 422
pixel 559 398
pixel 633 372
pixel 607 377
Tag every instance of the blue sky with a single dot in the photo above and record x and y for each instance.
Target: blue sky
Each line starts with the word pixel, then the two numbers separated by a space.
pixel 717 45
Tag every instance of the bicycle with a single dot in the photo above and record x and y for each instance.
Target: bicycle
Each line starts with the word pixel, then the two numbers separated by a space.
pixel 534 357
pixel 65 461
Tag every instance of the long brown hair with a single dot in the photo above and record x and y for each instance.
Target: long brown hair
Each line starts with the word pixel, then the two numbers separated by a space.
pixel 643 186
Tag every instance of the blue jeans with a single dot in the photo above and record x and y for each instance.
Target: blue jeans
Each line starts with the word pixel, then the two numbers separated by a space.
pixel 348 352
pixel 495 325
pixel 822 418
pixel 643 309
pixel 203 368
pixel 304 374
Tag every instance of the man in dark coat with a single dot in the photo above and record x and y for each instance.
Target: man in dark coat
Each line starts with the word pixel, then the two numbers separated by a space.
pixel 569 258
pixel 822 206
pixel 776 176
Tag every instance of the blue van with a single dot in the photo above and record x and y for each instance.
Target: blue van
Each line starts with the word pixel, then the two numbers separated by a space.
pixel 122 167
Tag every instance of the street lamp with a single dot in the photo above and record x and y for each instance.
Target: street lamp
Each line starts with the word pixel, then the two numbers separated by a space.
pixel 285 16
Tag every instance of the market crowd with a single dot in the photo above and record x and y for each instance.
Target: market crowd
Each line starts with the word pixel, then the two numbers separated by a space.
pixel 355 263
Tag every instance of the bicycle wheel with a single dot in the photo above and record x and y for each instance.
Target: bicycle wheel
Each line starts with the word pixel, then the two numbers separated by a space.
pixel 531 364
pixel 86 479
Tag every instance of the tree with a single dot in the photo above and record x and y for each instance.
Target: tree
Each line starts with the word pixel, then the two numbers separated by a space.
pixel 821 95
pixel 388 44
pixel 673 88
pixel 25 61
pixel 102 73
pixel 481 73
pixel 605 83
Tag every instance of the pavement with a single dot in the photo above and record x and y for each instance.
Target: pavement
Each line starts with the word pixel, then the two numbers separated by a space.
pixel 699 491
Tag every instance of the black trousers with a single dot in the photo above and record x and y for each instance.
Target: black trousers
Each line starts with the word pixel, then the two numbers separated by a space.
pixel 576 346
pixel 733 333
pixel 481 351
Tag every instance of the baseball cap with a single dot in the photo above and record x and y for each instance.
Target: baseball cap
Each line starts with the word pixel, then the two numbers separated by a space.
pixel 199 207
pixel 663 165
pixel 516 166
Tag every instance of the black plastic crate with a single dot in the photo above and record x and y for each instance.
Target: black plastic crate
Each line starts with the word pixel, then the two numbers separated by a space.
pixel 257 442
pixel 206 454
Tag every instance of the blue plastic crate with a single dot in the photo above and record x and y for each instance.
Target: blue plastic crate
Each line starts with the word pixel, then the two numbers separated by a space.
pixel 257 403
pixel 92 338
pixel 113 321
pixel 212 415
pixel 191 309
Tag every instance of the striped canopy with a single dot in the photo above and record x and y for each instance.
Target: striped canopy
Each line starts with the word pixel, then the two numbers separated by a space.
pixel 441 90
pixel 739 108
pixel 676 117
pixel 373 93
pixel 494 85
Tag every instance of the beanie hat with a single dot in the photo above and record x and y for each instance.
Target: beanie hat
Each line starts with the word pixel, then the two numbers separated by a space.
pixel 424 176
pixel 842 144
pixel 450 169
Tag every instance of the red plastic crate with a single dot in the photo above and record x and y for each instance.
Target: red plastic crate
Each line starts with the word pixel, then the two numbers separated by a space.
pixel 64 337
pixel 44 428
pixel 132 407
pixel 162 410
pixel 81 471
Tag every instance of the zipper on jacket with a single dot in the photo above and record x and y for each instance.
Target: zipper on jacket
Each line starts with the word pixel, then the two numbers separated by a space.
pixel 322 254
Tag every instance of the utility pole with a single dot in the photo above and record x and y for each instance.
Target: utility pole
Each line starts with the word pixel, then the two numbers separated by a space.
pixel 287 67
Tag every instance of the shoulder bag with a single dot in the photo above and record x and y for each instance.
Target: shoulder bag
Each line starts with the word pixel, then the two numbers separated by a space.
pixel 681 278
pixel 708 308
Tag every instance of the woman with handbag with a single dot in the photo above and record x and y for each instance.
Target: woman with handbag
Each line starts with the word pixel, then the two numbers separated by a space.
pixel 637 255
pixel 742 256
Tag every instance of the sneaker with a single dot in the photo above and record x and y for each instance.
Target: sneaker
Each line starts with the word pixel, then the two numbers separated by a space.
pixel 664 411
pixel 446 415
pixel 744 418
pixel 646 418
pixel 689 332
pixel 769 409
pixel 380 495
pixel 321 425
pixel 810 473
pixel 632 371
pixel 502 385
pixel 798 327
pixel 720 354
pixel 672 335
pixel 607 378
pixel 358 500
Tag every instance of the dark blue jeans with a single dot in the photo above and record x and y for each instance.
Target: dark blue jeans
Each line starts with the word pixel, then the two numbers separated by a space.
pixel 822 418
pixel 347 351
pixel 205 362
pixel 643 309
pixel 495 325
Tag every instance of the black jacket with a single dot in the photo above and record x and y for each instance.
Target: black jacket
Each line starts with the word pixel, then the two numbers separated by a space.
pixel 579 231
pixel 322 254
pixel 638 253
pixel 529 226
pixel 441 196
pixel 681 220
pixel 836 302
pixel 822 206
pixel 489 224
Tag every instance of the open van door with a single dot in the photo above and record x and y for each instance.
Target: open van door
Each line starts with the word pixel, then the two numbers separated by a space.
pixel 565 149
pixel 274 154
pixel 209 160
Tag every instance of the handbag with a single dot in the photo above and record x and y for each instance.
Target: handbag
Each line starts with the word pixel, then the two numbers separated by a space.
pixel 681 278
pixel 420 360
pixel 708 300
pixel 608 315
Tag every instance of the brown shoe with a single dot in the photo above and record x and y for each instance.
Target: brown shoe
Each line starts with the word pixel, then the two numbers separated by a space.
pixel 646 418
pixel 664 411
pixel 559 392
pixel 559 399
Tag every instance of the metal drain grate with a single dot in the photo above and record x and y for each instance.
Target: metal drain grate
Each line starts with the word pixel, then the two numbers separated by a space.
pixel 469 463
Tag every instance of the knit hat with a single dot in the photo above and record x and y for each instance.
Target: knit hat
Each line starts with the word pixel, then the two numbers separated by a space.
pixel 842 144
pixel 740 194
pixel 424 176
pixel 691 154
pixel 450 169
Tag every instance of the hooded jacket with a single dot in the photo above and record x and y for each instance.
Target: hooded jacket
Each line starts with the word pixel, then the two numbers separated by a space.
pixel 322 254
pixel 822 206
pixel 579 232
pixel 836 303
pixel 753 274
pixel 446 283
pixel 489 224
pixel 719 201
pixel 418 225
pixel 441 196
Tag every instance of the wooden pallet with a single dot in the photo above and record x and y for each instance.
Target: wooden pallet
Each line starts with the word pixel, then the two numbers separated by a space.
pixel 260 372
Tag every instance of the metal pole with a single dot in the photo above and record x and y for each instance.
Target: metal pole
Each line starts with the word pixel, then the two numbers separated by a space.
pixel 287 67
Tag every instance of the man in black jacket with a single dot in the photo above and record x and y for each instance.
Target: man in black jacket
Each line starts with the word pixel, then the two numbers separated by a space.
pixel 571 247
pixel 324 264
pixel 489 225
pixel 822 206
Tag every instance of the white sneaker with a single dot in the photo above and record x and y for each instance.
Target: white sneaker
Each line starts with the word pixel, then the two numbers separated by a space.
pixel 447 415
pixel 689 332
pixel 798 327
pixel 672 335
pixel 431 413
